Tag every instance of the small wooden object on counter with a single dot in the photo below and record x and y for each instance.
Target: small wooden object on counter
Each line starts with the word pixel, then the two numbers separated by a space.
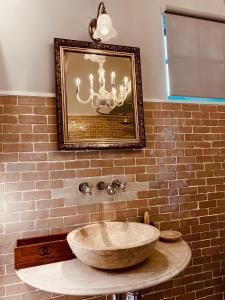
pixel 43 250
pixel 169 235
pixel 146 218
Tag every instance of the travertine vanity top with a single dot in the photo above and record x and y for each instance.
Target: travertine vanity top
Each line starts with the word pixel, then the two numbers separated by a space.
pixel 72 277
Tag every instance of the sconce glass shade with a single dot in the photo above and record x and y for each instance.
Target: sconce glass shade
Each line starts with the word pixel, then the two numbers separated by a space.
pixel 104 30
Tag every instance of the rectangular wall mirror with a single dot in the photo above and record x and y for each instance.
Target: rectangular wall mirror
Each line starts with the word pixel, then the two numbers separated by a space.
pixel 99 96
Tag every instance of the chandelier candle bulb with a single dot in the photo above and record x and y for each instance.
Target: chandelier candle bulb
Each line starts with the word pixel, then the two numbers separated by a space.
pixel 125 81
pixel 102 78
pixel 91 77
pixel 78 84
pixel 113 75
pixel 121 90
pixel 114 93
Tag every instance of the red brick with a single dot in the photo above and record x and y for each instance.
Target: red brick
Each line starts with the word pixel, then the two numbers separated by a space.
pixel 63 211
pixel 135 170
pixel 34 138
pixel 43 166
pixel 49 223
pixel 17 147
pixel 87 155
pixel 8 100
pixel 17 128
pixel 31 100
pixel 32 156
pixel 118 205
pixel 17 110
pixel 48 185
pixel 9 138
pixel 36 195
pixel 101 163
pixel 51 101
pixel 44 128
pixel 19 186
pixel 88 173
pixel 45 147
pixel 113 171
pixel 147 194
pixel 32 119
pixel 61 156
pixel 7 119
pixel 20 167
pixel 145 177
pixel 89 208
pixel 102 216
pixel 62 174
pixel 42 110
pixel 122 214
pixel 19 226
pixel 32 176
pixel 80 219
pixel 124 162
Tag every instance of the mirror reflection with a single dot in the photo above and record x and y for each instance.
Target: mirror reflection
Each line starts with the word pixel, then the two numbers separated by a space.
pixel 99 91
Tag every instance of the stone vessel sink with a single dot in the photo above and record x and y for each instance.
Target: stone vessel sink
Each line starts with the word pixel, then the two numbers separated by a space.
pixel 113 245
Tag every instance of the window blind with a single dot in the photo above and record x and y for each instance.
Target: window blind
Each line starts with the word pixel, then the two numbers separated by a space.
pixel 196 56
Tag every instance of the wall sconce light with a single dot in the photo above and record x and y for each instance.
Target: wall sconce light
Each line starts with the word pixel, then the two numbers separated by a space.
pixel 101 28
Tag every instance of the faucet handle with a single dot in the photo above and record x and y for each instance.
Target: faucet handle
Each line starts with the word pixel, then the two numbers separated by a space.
pixel 123 186
pixel 85 188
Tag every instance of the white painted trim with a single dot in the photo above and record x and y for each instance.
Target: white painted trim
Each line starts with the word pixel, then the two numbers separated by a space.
pixel 24 93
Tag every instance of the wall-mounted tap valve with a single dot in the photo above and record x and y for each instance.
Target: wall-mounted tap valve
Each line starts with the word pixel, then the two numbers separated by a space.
pixel 118 185
pixel 85 188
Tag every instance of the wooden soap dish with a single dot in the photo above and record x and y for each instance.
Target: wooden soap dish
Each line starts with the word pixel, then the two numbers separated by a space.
pixel 169 235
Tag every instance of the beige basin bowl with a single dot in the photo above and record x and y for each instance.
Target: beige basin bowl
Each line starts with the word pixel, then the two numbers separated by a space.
pixel 113 245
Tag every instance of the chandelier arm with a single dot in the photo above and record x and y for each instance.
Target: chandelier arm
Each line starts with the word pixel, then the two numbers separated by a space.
pixel 94 100
pixel 83 101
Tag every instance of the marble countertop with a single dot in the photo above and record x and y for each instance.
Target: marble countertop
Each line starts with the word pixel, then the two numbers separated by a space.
pixel 72 277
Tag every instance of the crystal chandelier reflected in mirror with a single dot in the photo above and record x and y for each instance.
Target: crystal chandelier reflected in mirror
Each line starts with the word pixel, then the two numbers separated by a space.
pixel 102 97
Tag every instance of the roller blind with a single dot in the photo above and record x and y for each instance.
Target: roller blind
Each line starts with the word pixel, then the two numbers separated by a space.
pixel 196 56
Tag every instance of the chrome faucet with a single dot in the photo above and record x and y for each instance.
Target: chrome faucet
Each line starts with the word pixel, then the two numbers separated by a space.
pixel 116 185
pixel 104 186
pixel 85 188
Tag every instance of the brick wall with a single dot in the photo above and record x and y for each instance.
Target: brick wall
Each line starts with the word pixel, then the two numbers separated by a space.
pixel 105 127
pixel 179 177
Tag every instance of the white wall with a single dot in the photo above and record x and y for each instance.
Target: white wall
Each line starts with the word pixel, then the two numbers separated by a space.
pixel 27 29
